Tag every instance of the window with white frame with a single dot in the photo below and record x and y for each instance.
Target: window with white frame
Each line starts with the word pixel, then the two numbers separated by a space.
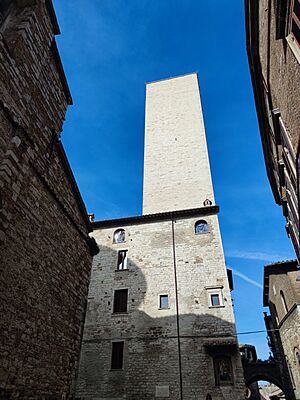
pixel 214 296
pixel 215 299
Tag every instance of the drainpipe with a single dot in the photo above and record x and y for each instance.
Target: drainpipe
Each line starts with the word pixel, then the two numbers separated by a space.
pixel 177 310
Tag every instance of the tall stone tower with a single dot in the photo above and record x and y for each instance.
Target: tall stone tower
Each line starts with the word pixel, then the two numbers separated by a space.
pixel 176 166
pixel 159 321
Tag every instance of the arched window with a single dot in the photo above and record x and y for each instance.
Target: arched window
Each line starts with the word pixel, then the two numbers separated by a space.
pixel 201 227
pixel 119 236
pixel 283 302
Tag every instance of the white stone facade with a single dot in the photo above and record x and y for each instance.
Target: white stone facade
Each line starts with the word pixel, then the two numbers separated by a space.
pixel 150 334
pixel 169 352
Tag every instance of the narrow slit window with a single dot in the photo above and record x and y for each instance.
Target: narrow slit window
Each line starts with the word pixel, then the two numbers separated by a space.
pixel 163 301
pixel 215 299
pixel 283 302
pixel 122 260
pixel 117 355
pixel 120 301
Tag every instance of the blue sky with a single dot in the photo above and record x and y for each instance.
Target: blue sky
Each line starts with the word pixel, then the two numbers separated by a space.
pixel 109 49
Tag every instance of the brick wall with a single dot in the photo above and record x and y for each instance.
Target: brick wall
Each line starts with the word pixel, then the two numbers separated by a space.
pixel 45 258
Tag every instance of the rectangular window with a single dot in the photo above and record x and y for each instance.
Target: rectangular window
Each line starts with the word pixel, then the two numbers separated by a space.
pixel 163 301
pixel 117 355
pixel 296 21
pixel 120 301
pixel 215 299
pixel 122 260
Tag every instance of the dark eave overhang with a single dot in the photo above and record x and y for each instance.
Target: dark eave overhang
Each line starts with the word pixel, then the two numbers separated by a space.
pixel 148 218
pixel 52 17
pixel 50 9
pixel 65 163
pixel 61 72
pixel 252 45
pixel 278 268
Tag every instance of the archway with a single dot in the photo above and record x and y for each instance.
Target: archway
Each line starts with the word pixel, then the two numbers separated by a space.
pixel 267 372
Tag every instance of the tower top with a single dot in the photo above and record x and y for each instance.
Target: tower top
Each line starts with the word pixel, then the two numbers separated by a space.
pixel 171 77
pixel 176 166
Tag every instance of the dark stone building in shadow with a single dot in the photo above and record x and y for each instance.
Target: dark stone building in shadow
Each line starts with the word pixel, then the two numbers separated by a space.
pixel 282 296
pixel 45 250
pixel 273 46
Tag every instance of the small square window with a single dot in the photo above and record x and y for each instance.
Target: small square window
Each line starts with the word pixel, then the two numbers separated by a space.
pixel 215 300
pixel 122 260
pixel 163 301
pixel 117 355
pixel 120 301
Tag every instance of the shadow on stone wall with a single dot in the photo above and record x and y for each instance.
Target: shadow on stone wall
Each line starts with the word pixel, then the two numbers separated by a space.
pixel 153 355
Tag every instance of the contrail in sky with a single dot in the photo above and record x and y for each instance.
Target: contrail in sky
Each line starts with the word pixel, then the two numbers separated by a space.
pixel 246 278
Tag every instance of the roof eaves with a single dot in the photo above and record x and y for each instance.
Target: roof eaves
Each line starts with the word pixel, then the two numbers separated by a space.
pixel 65 163
pixel 276 268
pixel 61 72
pixel 148 218
pixel 52 16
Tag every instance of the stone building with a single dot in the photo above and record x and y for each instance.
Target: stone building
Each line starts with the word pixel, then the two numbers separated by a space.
pixel 273 45
pixel 282 296
pixel 45 250
pixel 160 321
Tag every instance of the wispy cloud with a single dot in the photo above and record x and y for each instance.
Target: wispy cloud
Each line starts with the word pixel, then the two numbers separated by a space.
pixel 256 255
pixel 246 278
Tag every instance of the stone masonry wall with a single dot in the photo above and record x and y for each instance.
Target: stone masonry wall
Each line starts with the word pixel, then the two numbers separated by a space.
pixel 288 284
pixel 44 257
pixel 289 323
pixel 280 68
pixel 290 335
pixel 280 82
pixel 176 166
pixel 151 356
